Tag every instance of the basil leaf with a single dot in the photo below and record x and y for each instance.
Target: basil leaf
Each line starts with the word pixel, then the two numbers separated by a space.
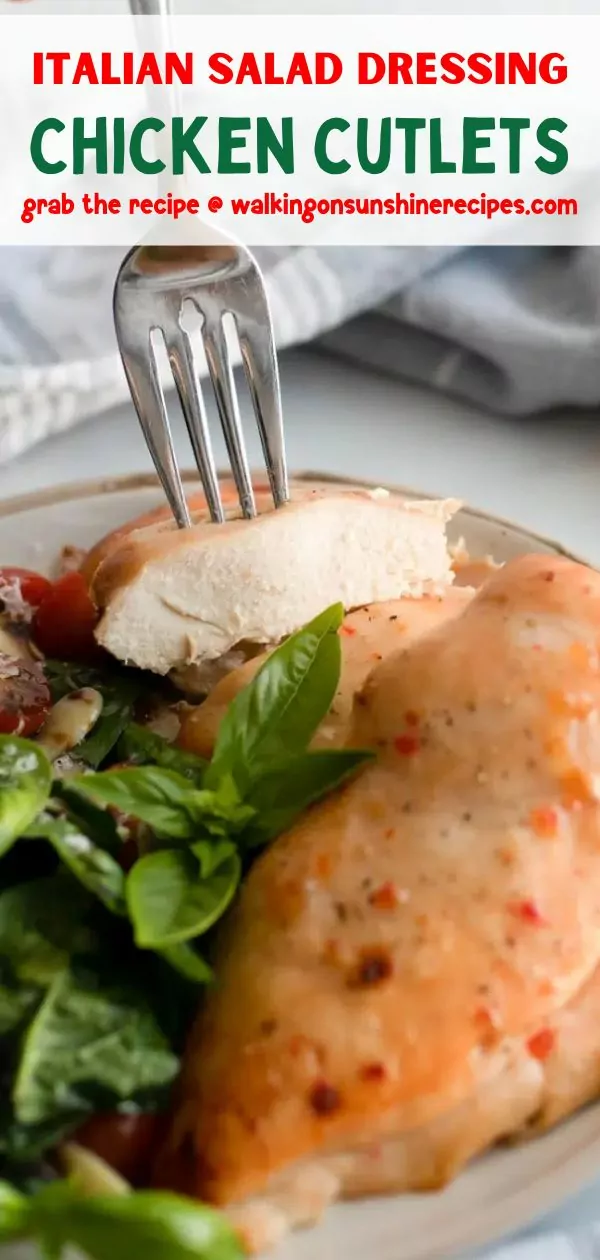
pixel 170 898
pixel 119 690
pixel 143 746
pixel 158 797
pixel 166 801
pixel 25 782
pixel 212 855
pixel 290 787
pixel 92 866
pixel 185 959
pixel 93 1043
pixel 157 1226
pixel 280 710
pixel 222 812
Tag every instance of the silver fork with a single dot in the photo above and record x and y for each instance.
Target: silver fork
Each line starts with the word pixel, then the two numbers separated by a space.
pixel 153 287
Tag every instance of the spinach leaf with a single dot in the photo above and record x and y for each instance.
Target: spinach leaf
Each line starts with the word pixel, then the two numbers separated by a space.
pixel 288 788
pixel 157 1226
pixel 280 710
pixel 22 1147
pixel 177 894
pixel 142 746
pixel 16 1001
pixel 94 1043
pixel 165 800
pixel 119 690
pixel 25 782
pixel 92 866
pixel 41 924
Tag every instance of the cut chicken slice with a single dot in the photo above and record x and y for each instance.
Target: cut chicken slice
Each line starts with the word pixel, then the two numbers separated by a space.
pixel 367 636
pixel 173 597
pixel 429 922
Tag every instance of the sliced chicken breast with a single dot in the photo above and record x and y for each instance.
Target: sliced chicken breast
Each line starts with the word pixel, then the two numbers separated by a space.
pixel 173 597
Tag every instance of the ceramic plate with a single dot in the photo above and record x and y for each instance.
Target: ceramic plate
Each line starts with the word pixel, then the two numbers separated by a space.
pixel 499 1193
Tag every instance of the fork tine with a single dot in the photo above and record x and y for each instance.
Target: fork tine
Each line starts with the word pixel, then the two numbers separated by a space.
pixel 181 358
pixel 262 375
pixel 149 401
pixel 221 375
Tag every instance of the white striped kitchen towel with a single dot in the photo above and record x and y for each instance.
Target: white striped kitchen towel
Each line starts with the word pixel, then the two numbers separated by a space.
pixel 516 330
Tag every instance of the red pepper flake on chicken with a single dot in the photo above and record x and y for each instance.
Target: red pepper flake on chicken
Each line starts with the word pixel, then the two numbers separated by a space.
pixel 544 821
pixel 528 911
pixel 541 1045
pixel 373 1072
pixel 407 745
pixel 385 897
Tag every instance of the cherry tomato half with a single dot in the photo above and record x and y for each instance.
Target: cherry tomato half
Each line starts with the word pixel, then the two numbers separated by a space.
pixel 24 696
pixel 126 1143
pixel 32 586
pixel 64 623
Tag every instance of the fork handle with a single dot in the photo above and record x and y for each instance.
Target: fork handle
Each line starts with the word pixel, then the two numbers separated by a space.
pixel 151 8
pixel 164 10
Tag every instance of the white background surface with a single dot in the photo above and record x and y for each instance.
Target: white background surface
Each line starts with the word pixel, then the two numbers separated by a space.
pixel 314 6
pixel 543 472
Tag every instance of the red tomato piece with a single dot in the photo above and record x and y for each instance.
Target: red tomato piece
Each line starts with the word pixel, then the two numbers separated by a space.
pixel 64 623
pixel 126 1143
pixel 24 696
pixel 31 586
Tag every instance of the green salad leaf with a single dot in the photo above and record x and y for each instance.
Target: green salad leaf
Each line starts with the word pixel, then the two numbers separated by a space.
pixel 148 1224
pixel 94 1043
pixel 144 747
pixel 161 798
pixel 177 894
pixel 42 923
pixel 91 865
pixel 185 959
pixel 17 1001
pixel 289 787
pixel 14 1212
pixel 94 821
pixel 119 688
pixel 99 969
pixel 280 710
pixel 165 800
pixel 25 782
